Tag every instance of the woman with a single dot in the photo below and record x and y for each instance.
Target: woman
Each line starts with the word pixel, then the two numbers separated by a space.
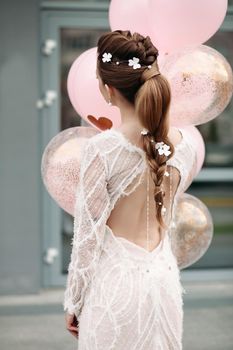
pixel 123 286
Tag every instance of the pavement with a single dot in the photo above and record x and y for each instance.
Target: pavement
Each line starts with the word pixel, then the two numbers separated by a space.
pixel 36 321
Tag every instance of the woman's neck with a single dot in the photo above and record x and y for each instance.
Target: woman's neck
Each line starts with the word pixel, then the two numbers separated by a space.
pixel 129 119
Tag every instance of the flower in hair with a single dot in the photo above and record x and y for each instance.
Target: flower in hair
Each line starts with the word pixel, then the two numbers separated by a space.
pixel 134 62
pixel 162 148
pixel 144 132
pixel 107 57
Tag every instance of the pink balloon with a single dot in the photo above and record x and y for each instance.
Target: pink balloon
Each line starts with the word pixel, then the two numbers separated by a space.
pixel 195 138
pixel 199 144
pixel 201 82
pixel 71 76
pixel 179 23
pixel 83 90
pixel 60 164
pixel 129 15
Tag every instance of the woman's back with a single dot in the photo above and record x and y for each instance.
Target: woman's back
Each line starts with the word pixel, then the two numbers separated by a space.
pixel 128 217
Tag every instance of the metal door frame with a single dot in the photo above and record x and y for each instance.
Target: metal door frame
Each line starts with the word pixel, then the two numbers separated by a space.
pixel 86 16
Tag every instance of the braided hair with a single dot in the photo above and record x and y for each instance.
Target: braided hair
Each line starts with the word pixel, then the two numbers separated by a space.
pixel 147 90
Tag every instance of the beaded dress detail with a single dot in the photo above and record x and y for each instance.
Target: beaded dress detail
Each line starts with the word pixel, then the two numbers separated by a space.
pixel 124 296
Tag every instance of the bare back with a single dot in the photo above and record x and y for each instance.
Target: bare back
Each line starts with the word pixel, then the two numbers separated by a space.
pixel 128 217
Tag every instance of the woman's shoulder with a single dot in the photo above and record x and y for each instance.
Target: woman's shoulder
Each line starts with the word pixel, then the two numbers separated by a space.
pixel 105 140
pixel 109 139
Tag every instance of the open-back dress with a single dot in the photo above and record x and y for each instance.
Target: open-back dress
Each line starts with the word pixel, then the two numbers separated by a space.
pixel 124 296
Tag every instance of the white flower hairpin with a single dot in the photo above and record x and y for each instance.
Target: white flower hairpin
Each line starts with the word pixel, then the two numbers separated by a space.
pixel 106 57
pixel 134 63
pixel 162 148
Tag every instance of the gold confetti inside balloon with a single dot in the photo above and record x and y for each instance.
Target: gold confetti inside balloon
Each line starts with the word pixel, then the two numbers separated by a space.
pixel 201 84
pixel 193 231
pixel 60 164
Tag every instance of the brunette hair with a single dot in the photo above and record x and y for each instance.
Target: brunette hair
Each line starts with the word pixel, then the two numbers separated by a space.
pixel 146 88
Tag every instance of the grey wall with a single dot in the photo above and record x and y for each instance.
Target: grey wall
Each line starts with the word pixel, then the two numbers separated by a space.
pixel 20 241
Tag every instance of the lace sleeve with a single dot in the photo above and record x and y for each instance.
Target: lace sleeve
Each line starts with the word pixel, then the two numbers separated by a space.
pixel 90 216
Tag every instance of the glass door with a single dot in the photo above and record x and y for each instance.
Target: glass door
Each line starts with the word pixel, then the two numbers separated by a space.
pixel 64 36
pixel 73 41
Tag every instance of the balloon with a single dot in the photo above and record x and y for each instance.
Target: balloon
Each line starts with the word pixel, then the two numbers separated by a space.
pixel 71 82
pixel 179 23
pixel 199 144
pixel 193 230
pixel 60 164
pixel 84 94
pixel 129 15
pixel 195 140
pixel 201 83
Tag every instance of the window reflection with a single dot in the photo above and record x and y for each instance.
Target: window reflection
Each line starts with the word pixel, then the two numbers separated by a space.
pixel 73 43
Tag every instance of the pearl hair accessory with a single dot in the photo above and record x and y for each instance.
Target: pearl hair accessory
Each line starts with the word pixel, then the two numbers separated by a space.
pixel 132 62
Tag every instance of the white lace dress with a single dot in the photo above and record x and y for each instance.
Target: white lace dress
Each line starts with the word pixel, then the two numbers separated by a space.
pixel 124 296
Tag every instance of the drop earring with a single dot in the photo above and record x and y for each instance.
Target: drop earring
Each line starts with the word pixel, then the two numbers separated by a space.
pixel 108 92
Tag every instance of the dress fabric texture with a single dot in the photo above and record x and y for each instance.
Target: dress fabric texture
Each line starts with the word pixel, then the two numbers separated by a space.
pixel 123 296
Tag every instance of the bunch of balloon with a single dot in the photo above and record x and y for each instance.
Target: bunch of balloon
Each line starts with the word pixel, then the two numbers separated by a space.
pixel 200 77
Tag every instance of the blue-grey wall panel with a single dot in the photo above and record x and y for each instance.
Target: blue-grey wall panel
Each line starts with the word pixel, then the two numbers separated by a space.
pixel 20 256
